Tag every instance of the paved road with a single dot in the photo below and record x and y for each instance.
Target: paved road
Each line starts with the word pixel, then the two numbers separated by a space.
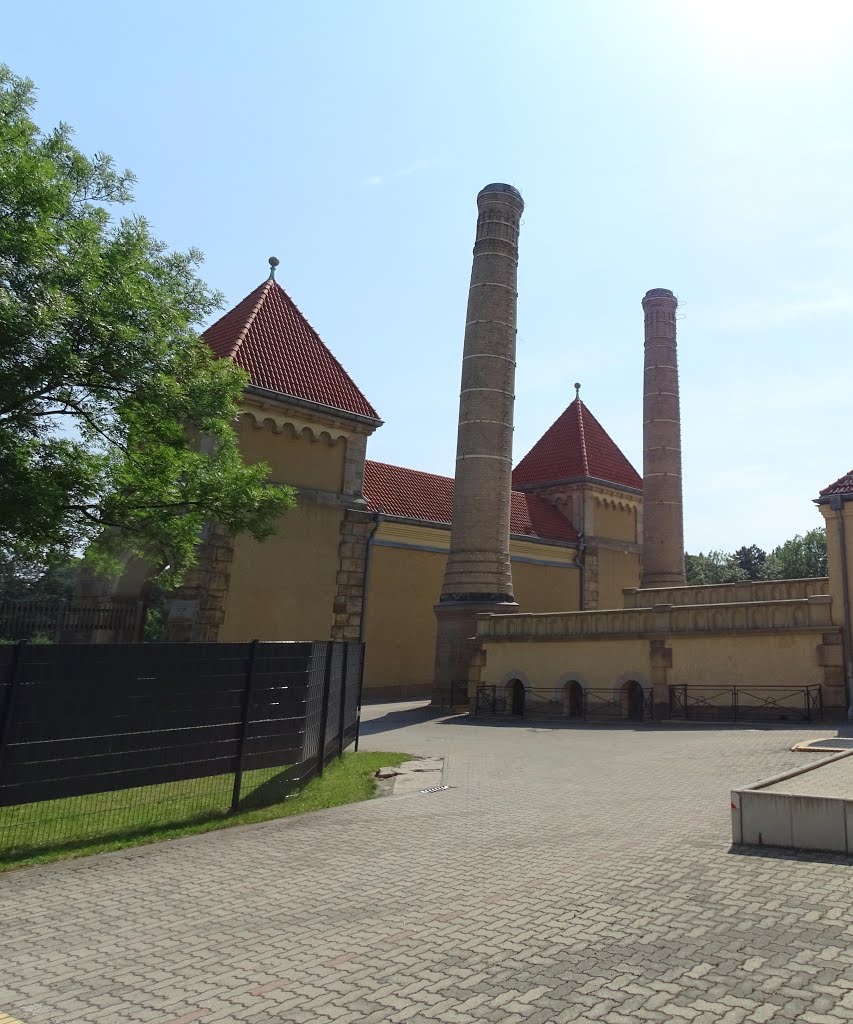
pixel 569 875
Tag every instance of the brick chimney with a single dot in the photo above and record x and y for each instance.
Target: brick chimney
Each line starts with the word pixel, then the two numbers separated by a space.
pixel 663 517
pixel 478 577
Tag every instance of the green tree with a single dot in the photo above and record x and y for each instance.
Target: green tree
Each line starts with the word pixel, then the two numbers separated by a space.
pixel 801 557
pixel 751 560
pixel 115 419
pixel 715 567
pixel 22 578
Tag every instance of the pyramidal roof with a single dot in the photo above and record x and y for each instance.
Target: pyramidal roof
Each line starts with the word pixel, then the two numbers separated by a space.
pixel 272 341
pixel 575 447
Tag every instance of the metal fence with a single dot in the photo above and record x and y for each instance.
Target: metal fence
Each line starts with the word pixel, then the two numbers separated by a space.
pixel 455 698
pixel 571 702
pixel 71 621
pixel 746 704
pixel 103 742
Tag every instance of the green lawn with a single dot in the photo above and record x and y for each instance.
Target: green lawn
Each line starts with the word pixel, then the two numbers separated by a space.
pixel 78 826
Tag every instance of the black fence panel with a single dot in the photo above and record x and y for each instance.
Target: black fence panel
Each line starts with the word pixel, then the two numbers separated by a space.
pixel 101 739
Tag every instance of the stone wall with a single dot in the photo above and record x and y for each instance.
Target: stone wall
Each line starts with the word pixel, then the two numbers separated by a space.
pixel 196 610
pixel 356 530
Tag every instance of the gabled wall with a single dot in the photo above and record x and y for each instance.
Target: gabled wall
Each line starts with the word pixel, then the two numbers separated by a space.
pixel 609 519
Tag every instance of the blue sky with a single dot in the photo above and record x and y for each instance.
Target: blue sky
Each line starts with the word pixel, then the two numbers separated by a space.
pixel 700 145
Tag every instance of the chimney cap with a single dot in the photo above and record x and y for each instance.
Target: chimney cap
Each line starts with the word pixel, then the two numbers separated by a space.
pixel 500 187
pixel 659 293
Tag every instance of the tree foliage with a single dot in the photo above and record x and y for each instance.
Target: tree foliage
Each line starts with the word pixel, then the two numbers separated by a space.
pixel 22 579
pixel 115 419
pixel 751 560
pixel 715 567
pixel 801 557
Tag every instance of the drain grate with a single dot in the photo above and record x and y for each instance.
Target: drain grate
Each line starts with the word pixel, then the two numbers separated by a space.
pixel 435 789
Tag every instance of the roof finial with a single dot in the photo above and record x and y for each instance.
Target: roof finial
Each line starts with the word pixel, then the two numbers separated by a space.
pixel 577 392
pixel 273 261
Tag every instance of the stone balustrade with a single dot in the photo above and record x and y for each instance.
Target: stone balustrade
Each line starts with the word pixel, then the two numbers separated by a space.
pixel 798 614
pixel 727 593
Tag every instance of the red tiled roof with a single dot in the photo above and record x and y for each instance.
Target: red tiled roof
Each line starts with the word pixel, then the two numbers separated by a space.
pixel 844 485
pixel 272 341
pixel 575 446
pixel 411 494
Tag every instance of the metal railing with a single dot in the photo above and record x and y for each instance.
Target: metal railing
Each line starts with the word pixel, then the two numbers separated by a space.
pixel 568 703
pixel 71 621
pixel 746 703
pixel 455 698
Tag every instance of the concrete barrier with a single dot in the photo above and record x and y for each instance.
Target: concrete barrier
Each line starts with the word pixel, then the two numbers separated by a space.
pixel 809 808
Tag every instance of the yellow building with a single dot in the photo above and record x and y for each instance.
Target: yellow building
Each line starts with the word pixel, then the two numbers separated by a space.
pixel 773 649
pixel 363 554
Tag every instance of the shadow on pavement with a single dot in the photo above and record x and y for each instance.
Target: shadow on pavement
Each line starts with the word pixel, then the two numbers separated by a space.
pixel 397 720
pixel 782 853
pixel 509 722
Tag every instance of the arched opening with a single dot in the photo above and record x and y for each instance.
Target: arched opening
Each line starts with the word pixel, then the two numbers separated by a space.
pixel 516 696
pixel 632 700
pixel 573 699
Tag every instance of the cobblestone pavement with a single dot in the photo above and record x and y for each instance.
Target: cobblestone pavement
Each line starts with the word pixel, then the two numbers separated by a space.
pixel 568 875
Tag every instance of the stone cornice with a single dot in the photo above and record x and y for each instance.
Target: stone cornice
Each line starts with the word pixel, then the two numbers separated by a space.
pixel 339 418
pixel 813 614
pixel 591 481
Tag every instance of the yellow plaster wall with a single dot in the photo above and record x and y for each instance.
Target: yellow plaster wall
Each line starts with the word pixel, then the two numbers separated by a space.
pixel 546 588
pixel 614 523
pixel 307 459
pixel 596 664
pixel 782 659
pixel 283 588
pixel 404 584
pixel 617 570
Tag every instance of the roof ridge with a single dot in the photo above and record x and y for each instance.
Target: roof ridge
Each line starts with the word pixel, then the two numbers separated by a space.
pixel 241 337
pixel 409 469
pixel 584 453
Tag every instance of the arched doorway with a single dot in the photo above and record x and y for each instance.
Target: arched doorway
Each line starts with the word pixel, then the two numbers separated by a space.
pixel 632 700
pixel 516 697
pixel 573 699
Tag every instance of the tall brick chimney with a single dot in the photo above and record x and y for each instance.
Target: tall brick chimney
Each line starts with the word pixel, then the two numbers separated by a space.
pixel 663 517
pixel 478 577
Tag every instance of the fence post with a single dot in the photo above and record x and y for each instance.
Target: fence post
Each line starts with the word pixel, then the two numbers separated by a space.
pixel 244 727
pixel 15 673
pixel 139 622
pixel 360 689
pixel 343 700
pixel 61 618
pixel 734 703
pixel 324 712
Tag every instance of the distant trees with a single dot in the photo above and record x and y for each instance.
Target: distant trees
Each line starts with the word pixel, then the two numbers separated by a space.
pixel 25 579
pixel 800 557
